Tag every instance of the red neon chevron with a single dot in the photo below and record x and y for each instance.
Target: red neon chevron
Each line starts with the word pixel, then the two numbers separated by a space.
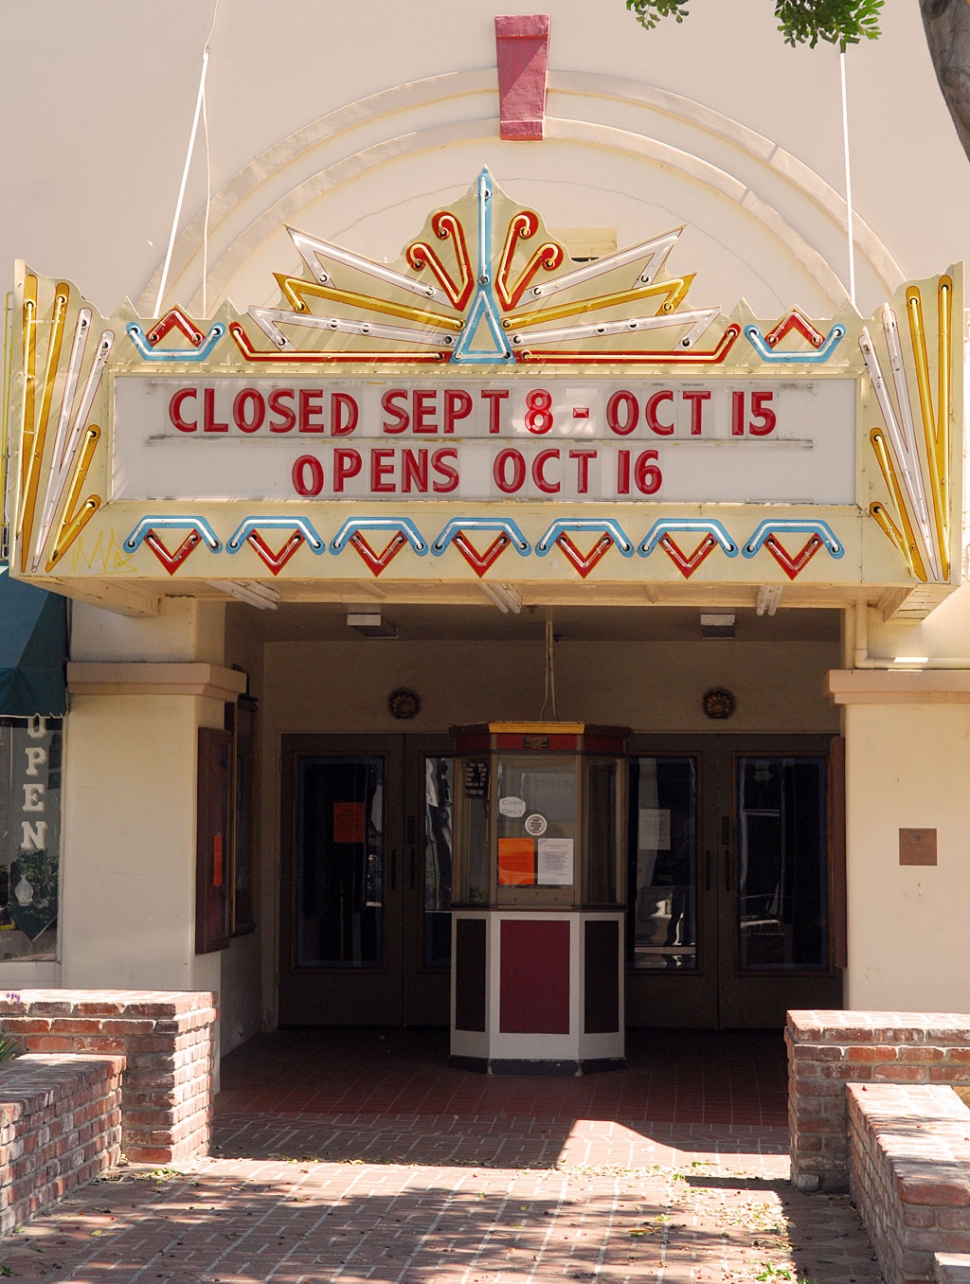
pixel 688 565
pixel 378 562
pixel 584 563
pixel 480 562
pixel 172 561
pixel 275 561
pixel 792 566
pixel 794 320
pixel 175 320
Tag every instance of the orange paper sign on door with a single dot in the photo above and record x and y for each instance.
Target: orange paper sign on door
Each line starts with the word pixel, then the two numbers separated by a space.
pixel 348 822
pixel 516 862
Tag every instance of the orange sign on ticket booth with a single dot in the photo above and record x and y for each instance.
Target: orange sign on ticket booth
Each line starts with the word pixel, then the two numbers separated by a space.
pixel 517 862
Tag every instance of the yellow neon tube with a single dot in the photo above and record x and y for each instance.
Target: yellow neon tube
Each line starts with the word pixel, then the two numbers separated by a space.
pixel 675 289
pixel 73 522
pixel 62 297
pixel 914 310
pixel 881 515
pixel 944 357
pixel 911 550
pixel 294 288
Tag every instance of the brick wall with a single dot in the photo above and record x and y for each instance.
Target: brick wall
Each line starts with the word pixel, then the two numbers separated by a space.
pixel 166 1038
pixel 60 1125
pixel 828 1049
pixel 909 1172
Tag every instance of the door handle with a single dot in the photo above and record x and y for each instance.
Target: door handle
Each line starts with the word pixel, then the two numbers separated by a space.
pixel 727 870
pixel 393 868
pixel 412 869
pixel 707 871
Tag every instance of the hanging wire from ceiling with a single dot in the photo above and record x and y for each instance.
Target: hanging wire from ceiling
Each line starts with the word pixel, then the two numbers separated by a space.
pixel 549 697
pixel 200 104
pixel 850 230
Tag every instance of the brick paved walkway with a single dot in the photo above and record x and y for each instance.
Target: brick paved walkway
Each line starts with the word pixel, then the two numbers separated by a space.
pixel 506 1194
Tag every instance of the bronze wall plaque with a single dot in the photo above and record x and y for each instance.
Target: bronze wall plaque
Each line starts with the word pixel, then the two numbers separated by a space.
pixel 917 847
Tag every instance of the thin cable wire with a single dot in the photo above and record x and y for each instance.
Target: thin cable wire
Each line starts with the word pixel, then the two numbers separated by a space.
pixel 199 102
pixel 208 200
pixel 549 695
pixel 848 182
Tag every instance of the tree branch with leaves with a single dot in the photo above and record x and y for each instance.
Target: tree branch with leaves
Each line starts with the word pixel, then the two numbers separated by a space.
pixel 847 22
pixel 801 22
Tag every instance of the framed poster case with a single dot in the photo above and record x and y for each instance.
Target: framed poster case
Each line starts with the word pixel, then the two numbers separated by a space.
pixel 213 900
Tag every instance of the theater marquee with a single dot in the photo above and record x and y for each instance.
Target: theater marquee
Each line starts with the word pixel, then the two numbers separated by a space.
pixel 488 398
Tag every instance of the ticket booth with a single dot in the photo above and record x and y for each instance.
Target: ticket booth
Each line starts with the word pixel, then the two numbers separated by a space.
pixel 539 874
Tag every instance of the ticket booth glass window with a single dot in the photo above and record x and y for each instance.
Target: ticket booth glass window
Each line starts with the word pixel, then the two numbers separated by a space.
pixel 602 807
pixel 662 932
pixel 339 885
pixel 781 849
pixel 30 836
pixel 536 825
pixel 473 883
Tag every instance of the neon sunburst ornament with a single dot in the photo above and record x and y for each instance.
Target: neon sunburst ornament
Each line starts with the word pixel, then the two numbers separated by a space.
pixel 484 285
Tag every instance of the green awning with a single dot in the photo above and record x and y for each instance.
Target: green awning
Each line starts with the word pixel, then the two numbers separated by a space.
pixel 33 650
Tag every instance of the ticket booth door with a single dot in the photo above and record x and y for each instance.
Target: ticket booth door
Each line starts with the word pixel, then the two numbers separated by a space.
pixel 734 880
pixel 365 928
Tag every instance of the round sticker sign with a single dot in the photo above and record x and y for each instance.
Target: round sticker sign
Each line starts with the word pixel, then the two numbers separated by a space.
pixel 536 824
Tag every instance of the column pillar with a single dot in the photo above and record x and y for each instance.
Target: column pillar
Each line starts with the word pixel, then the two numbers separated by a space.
pixel 907 837
pixel 139 692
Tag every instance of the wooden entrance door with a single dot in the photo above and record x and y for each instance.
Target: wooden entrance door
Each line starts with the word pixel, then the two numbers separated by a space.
pixel 730 881
pixel 366 880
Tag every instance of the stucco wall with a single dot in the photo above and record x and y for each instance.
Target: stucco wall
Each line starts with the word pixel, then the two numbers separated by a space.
pixel 128 916
pixel 906 767
pixel 343 686
pixel 911 181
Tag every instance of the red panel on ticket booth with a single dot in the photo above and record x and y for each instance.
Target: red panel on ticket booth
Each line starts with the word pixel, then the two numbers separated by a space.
pixel 534 997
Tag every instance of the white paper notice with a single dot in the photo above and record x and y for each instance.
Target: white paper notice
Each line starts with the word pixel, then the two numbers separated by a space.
pixel 555 862
pixel 654 829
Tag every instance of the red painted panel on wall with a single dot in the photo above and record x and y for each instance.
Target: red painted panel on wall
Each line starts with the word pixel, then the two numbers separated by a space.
pixel 522 49
pixel 534 995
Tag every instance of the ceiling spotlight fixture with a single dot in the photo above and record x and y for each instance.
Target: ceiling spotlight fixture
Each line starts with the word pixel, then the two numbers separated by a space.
pixel 261 596
pixel 717 626
pixel 766 603
pixel 370 624
pixel 504 596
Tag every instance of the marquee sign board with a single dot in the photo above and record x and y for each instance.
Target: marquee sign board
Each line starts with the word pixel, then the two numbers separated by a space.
pixel 487 400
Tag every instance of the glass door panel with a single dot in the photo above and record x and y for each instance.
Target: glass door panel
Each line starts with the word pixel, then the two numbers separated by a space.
pixel 672 922
pixel 662 928
pixel 728 881
pixel 775 949
pixel 781 863
pixel 429 799
pixel 339 856
pixel 341 869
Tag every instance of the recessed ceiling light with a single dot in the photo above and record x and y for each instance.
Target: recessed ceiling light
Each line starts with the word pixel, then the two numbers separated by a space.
pixel 717 626
pixel 370 624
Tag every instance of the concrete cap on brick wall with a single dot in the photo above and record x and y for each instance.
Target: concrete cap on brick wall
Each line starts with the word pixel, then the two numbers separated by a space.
pixel 952 1268
pixel 134 1003
pixel 836 1026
